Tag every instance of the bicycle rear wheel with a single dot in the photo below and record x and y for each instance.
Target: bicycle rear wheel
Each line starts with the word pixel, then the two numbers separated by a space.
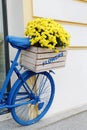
pixel 39 98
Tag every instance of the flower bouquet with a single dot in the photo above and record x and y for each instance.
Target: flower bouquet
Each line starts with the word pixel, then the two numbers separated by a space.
pixel 49 41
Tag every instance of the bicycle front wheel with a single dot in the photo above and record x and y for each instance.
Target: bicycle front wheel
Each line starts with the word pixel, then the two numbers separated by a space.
pixel 39 98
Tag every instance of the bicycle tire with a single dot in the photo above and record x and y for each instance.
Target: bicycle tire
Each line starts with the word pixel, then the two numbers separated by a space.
pixel 23 114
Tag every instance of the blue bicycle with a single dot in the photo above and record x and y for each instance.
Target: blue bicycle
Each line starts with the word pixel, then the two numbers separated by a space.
pixel 32 94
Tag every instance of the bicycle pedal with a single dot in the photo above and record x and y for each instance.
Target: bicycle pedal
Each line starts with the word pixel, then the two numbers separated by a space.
pixel 40 105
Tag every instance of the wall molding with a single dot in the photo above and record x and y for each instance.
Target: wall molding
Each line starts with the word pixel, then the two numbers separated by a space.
pixel 85 1
pixel 69 23
pixel 59 12
pixel 65 22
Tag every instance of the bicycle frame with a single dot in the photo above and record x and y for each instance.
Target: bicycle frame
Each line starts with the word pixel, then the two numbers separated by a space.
pixel 2 92
pixel 9 74
pixel 3 95
pixel 27 94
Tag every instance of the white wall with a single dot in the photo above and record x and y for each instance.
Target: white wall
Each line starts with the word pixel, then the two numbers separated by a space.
pixel 70 81
pixel 69 10
pixel 15 22
pixel 15 18
pixel 65 10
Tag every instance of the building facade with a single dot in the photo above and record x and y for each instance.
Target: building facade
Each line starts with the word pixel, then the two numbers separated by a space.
pixel 70 81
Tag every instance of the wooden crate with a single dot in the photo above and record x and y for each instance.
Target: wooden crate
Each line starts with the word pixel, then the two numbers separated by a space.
pixel 41 59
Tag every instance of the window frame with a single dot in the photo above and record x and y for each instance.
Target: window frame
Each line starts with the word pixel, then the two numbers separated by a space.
pixel 5 31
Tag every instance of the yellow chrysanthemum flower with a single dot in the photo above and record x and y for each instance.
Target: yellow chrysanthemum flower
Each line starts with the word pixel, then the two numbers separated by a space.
pixel 45 32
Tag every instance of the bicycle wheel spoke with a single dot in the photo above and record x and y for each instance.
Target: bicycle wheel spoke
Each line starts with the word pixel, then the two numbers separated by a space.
pixel 20 111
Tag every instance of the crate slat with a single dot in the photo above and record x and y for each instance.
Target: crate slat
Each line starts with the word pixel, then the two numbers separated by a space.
pixel 39 61
pixel 42 55
pixel 43 50
pixel 41 68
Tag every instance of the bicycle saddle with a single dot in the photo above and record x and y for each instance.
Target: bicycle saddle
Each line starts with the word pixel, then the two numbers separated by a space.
pixel 19 42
